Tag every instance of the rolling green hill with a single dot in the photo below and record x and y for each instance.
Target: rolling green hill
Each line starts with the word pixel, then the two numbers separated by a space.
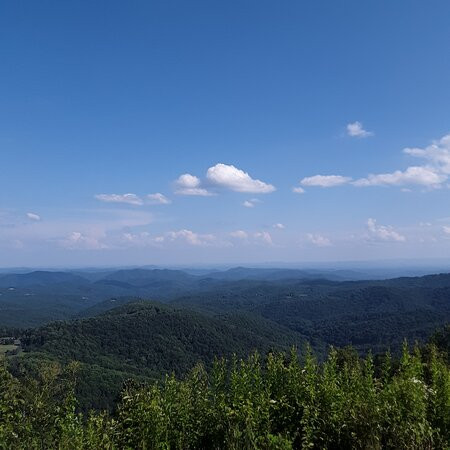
pixel 148 339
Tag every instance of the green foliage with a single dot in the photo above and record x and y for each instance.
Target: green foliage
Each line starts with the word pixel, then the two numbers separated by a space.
pixel 145 340
pixel 275 402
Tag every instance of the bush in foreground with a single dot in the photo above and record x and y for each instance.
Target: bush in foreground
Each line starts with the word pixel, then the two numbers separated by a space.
pixel 275 403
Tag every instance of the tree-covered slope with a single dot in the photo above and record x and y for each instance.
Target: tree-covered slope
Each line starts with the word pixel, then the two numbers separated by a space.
pixel 369 315
pixel 147 339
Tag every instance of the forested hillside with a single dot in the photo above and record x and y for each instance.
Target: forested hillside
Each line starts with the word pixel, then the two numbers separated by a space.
pixel 367 314
pixel 357 312
pixel 146 340
pixel 275 402
pixel 117 336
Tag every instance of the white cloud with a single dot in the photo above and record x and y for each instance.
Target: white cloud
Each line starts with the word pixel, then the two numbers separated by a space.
pixel 239 234
pixel 415 175
pixel 383 233
pixel 77 240
pixel 230 177
pixel 137 239
pixel 325 180
pixel 131 199
pixel 158 199
pixel 101 225
pixel 221 176
pixel 446 229
pixel 188 184
pixel 432 175
pixel 251 203
pixel 437 154
pixel 356 129
pixel 264 237
pixel 279 226
pixel 33 216
pixel 318 240
pixel 298 190
pixel 190 237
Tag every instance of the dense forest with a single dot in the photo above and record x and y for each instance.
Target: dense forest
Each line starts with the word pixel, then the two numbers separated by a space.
pixel 115 336
pixel 145 340
pixel 309 302
pixel 275 402
pixel 95 364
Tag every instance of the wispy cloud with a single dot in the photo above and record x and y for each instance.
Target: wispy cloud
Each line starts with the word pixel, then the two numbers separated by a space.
pixel 85 229
pixel 318 240
pixel 131 199
pixel 239 234
pixel 158 199
pixel 383 233
pixel 79 241
pixel 251 203
pixel 33 216
pixel 325 180
pixel 416 175
pixel 263 237
pixel 190 237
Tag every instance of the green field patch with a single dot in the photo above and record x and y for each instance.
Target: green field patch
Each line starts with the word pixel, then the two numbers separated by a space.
pixel 6 348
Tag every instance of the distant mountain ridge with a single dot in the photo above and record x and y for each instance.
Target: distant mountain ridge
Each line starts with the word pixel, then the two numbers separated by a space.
pixel 39 278
pixel 34 298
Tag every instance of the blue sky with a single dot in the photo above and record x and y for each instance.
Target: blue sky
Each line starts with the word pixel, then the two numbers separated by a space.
pixel 219 111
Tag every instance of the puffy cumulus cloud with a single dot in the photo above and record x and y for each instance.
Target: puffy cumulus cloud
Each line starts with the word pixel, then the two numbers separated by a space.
pixel 189 237
pixel 221 176
pixel 279 226
pixel 318 240
pixel 79 241
pixel 263 237
pixel 158 199
pixel 325 180
pixel 131 199
pixel 356 129
pixel 416 175
pixel 432 174
pixel 298 190
pixel 33 216
pixel 239 234
pixel 230 177
pixel 383 233
pixel 188 184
